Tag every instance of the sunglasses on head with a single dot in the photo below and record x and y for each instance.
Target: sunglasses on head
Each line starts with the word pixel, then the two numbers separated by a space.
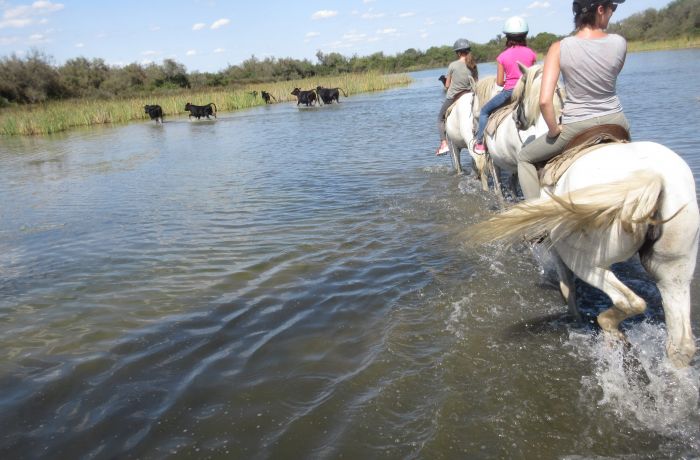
pixel 613 6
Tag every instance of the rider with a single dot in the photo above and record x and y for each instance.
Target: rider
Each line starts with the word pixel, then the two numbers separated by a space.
pixel 590 61
pixel 508 72
pixel 457 82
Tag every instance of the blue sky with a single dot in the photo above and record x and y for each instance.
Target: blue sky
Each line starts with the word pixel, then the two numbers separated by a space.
pixel 208 35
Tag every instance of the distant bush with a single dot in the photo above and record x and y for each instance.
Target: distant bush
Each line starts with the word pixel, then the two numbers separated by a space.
pixel 35 79
pixel 680 18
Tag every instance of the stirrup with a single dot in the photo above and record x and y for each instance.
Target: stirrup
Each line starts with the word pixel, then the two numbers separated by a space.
pixel 472 148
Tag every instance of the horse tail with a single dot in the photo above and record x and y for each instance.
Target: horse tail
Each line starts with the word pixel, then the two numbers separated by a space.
pixel 344 93
pixel 632 203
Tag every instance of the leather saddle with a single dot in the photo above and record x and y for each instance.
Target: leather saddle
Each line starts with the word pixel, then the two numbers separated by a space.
pixel 583 143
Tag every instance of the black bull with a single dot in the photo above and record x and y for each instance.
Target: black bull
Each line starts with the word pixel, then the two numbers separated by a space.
pixel 154 111
pixel 200 111
pixel 328 95
pixel 305 97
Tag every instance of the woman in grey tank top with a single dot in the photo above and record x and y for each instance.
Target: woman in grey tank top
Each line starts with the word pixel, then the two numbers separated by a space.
pixel 589 61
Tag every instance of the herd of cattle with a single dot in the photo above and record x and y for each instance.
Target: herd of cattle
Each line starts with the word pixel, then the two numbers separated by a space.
pixel 306 97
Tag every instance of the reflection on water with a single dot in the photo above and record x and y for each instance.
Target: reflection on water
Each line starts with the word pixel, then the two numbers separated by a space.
pixel 293 283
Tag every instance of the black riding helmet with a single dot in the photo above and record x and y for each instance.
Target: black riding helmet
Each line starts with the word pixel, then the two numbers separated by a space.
pixel 584 6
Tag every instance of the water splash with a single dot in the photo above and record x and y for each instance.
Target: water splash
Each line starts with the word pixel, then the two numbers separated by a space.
pixel 638 384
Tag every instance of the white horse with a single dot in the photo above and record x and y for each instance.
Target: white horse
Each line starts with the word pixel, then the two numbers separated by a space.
pixel 459 126
pixel 612 203
pixel 511 136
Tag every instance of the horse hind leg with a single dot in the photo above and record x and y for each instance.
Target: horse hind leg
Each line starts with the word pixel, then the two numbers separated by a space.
pixel 625 302
pixel 456 163
pixel 670 260
pixel 566 285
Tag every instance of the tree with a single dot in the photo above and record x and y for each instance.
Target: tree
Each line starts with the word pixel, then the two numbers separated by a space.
pixel 82 77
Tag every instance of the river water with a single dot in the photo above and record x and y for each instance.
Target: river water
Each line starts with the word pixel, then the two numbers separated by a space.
pixel 294 283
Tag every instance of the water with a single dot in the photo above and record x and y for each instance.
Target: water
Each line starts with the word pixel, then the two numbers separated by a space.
pixel 293 283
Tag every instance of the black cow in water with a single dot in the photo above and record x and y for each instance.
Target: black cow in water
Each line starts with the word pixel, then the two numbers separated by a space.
pixel 200 111
pixel 443 79
pixel 328 95
pixel 154 111
pixel 305 97
pixel 267 97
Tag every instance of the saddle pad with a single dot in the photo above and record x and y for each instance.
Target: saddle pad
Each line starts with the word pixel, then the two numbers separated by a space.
pixel 557 166
pixel 498 116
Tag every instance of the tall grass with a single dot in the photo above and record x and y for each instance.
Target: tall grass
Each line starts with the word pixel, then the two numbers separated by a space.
pixel 59 116
pixel 676 43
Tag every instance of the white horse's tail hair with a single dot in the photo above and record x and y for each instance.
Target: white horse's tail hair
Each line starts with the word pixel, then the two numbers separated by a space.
pixel 633 203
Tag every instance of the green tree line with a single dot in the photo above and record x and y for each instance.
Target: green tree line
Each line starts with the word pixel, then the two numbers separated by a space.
pixel 35 79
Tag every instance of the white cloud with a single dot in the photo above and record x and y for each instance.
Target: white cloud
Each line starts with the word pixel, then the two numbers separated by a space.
pixel 48 7
pixel 506 9
pixel 220 23
pixel 495 19
pixel 191 52
pixel 4 41
pixel 199 26
pixel 219 50
pixel 368 1
pixel 25 15
pixel 149 53
pixel 407 14
pixel 465 20
pixel 324 14
pixel 80 45
pixel 370 15
pixel 538 4
pixel 354 36
pixel 155 28
pixel 312 34
pixel 15 23
pixel 386 31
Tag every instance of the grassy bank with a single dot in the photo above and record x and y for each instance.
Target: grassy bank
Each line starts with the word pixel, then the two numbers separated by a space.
pixel 62 115
pixel 659 45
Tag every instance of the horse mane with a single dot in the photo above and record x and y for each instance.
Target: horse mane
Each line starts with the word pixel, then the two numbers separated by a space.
pixel 531 97
pixel 532 81
pixel 484 88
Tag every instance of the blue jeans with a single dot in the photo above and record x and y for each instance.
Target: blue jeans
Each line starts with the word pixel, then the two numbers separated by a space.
pixel 497 101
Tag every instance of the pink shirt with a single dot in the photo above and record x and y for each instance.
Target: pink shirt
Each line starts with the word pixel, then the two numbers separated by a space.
pixel 509 60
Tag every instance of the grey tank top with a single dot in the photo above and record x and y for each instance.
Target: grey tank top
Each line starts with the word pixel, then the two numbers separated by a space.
pixel 590 69
pixel 460 73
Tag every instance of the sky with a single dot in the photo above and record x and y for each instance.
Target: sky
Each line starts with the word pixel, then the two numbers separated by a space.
pixel 210 35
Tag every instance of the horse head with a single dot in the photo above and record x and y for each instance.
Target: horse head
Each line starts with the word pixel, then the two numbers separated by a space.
pixel 527 93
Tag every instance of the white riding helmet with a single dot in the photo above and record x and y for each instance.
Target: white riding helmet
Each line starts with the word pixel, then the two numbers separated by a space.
pixel 515 26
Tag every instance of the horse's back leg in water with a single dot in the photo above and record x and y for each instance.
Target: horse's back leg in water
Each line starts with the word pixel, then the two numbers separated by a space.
pixel 625 302
pixel 455 153
pixel 671 261
pixel 566 285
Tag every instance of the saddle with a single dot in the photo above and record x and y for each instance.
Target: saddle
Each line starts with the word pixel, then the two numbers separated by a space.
pixel 456 98
pixel 498 116
pixel 585 142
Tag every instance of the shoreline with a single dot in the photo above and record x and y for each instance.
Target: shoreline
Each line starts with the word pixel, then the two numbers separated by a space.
pixel 59 116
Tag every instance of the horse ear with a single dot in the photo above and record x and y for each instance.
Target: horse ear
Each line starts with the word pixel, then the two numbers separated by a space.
pixel 523 69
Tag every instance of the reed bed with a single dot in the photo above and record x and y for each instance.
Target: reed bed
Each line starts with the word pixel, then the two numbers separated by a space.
pixel 59 116
pixel 676 43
